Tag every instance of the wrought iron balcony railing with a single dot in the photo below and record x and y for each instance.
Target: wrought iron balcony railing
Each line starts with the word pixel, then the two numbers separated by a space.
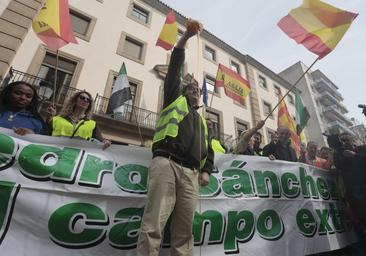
pixel 127 113
pixel 44 87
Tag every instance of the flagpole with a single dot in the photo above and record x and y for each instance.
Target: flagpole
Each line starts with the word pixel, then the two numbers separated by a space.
pixel 55 80
pixel 291 88
pixel 138 125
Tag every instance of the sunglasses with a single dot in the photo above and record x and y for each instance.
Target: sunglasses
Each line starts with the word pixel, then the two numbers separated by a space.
pixel 84 98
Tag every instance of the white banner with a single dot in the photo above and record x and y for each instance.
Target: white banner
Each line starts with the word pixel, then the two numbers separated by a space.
pixel 61 196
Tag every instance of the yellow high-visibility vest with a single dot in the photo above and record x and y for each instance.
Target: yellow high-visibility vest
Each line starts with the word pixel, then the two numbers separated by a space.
pixel 217 147
pixel 170 118
pixel 62 127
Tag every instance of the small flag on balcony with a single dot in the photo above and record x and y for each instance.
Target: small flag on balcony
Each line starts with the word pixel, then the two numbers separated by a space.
pixel 204 92
pixel 53 25
pixel 236 87
pixel 317 25
pixel 169 33
pixel 302 114
pixel 121 92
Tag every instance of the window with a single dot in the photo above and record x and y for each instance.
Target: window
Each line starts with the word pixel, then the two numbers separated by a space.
pixel 262 82
pixel 210 83
pixel 291 99
pixel 215 119
pixel 65 73
pixel 241 127
pixel 277 90
pixel 235 66
pixel 132 48
pixel 209 53
pixel 82 24
pixel 267 108
pixel 140 14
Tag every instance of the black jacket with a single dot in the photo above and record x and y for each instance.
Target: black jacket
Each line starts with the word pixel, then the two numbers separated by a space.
pixel 281 152
pixel 186 146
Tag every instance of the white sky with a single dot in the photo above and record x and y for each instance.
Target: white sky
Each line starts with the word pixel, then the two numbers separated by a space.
pixel 250 26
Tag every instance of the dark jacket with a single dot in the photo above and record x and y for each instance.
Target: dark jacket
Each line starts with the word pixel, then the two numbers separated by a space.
pixel 185 148
pixel 353 172
pixel 281 152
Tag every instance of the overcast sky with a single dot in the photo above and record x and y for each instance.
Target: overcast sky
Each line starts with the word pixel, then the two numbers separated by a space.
pixel 250 26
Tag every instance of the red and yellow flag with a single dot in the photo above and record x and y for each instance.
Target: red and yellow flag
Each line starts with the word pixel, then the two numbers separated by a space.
pixel 317 25
pixel 284 119
pixel 53 25
pixel 169 33
pixel 236 87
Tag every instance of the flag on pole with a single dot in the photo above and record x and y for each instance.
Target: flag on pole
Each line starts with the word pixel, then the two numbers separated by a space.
pixel 317 25
pixel 204 92
pixel 169 33
pixel 121 92
pixel 284 119
pixel 302 114
pixel 236 87
pixel 53 25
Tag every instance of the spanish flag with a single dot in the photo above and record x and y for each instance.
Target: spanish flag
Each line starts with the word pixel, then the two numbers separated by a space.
pixel 236 87
pixel 169 33
pixel 284 119
pixel 53 24
pixel 317 25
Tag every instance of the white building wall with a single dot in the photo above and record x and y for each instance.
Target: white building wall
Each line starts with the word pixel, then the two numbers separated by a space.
pixel 99 58
pixel 3 5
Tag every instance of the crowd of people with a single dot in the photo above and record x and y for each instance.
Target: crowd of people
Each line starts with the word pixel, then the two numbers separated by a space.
pixel 183 149
pixel 19 110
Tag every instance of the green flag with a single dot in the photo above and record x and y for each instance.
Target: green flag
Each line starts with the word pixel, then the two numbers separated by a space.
pixel 302 114
pixel 121 92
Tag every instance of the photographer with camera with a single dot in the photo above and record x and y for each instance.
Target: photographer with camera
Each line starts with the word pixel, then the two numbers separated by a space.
pixel 350 161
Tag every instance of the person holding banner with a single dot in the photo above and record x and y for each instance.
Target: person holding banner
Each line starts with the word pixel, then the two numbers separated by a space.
pixel 215 143
pixel 182 159
pixel 248 144
pixel 19 109
pixel 74 119
pixel 281 150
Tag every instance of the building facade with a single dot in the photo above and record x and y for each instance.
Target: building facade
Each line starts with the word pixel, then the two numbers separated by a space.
pixel 323 100
pixel 112 32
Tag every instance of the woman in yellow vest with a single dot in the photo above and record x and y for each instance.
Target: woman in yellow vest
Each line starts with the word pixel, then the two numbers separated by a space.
pixel 74 119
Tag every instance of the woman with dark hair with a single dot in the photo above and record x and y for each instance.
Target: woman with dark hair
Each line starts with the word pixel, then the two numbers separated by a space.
pixel 19 109
pixel 74 119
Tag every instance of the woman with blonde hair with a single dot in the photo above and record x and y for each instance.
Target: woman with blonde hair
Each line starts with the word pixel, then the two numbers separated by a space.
pixel 74 119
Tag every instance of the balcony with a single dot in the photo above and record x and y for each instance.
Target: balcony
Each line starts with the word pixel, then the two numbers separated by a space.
pixel 129 114
pixel 327 99
pixel 333 113
pixel 338 127
pixel 44 87
pixel 322 85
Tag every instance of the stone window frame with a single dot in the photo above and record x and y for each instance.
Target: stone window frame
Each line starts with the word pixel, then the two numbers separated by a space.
pixel 121 45
pixel 91 26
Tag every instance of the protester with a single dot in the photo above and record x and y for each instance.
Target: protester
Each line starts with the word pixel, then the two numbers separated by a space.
pixel 257 143
pixel 274 137
pixel 281 150
pixel 19 109
pixel 74 119
pixel 351 161
pixel 182 157
pixel 215 143
pixel 309 156
pixel 249 141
